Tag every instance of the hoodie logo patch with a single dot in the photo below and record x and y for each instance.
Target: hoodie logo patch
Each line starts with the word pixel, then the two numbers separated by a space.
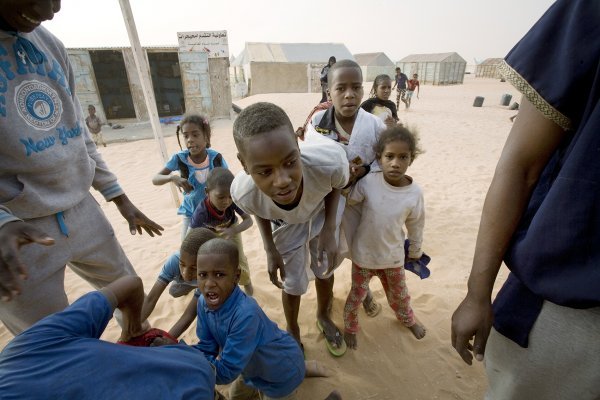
pixel 38 104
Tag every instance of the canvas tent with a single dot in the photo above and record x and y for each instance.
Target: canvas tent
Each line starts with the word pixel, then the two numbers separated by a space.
pixel 283 67
pixel 435 69
pixel 373 64
pixel 488 68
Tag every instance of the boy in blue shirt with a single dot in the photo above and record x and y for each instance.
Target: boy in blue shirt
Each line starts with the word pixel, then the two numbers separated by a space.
pixel 218 213
pixel 61 356
pixel 179 271
pixel 243 345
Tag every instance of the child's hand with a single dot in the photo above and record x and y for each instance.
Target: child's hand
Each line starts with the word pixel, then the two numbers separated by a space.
pixel 182 183
pixel 327 244
pixel 274 264
pixel 390 122
pixel 13 235
pixel 226 233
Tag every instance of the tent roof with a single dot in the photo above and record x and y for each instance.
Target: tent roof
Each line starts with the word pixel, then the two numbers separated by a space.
pixel 373 59
pixel 491 61
pixel 317 53
pixel 434 57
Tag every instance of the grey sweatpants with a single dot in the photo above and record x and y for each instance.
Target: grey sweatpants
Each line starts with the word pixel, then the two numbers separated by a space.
pixel 562 361
pixel 91 250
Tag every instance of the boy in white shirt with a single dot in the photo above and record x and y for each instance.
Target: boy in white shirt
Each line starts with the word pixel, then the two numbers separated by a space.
pixel 294 196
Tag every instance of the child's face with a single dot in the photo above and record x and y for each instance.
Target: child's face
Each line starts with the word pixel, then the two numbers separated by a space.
pixel 394 161
pixel 194 137
pixel 273 161
pixel 346 91
pixel 415 76
pixel 216 278
pixel 220 197
pixel 187 266
pixel 384 90
pixel 92 111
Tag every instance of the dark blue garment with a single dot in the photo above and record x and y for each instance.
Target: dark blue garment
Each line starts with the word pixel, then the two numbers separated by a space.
pixel 62 357
pixel 250 344
pixel 206 216
pixel 554 254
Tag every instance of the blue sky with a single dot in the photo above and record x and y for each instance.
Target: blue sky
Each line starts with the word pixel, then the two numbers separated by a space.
pixel 473 28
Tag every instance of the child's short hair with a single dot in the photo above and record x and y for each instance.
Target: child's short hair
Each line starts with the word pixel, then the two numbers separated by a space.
pixel 342 64
pixel 219 177
pixel 195 238
pixel 402 134
pixel 222 246
pixel 199 120
pixel 378 81
pixel 259 118
pixel 91 107
pixel 398 69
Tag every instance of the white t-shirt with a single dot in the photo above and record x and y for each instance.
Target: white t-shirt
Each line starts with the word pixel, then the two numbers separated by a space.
pixel 324 167
pixel 364 135
pixel 379 240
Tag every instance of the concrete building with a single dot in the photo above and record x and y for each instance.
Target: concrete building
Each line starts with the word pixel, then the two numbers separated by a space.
pixel 283 67
pixel 435 69
pixel 182 81
pixel 373 64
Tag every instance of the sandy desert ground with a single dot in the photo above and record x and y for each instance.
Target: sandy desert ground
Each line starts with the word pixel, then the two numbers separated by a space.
pixel 462 146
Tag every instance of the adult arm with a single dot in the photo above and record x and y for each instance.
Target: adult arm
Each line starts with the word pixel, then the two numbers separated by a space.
pixel 530 144
pixel 128 293
pixel 274 259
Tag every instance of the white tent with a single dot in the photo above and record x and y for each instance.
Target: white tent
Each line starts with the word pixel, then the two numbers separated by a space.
pixel 373 64
pixel 435 69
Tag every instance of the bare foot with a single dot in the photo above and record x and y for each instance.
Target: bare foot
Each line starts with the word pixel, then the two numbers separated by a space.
pixel 249 289
pixel 314 369
pixel 418 330
pixel 335 395
pixel 350 339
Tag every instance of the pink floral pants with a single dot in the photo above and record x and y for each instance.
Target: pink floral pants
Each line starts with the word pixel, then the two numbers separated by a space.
pixel 394 285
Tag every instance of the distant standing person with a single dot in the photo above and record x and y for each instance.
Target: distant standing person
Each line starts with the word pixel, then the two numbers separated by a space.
pixel 324 73
pixel 95 126
pixel 400 85
pixel 412 85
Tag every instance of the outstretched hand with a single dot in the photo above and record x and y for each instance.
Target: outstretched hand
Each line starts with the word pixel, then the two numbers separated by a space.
pixel 13 235
pixel 472 319
pixel 136 219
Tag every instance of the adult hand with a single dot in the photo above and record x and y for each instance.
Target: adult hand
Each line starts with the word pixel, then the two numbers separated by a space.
pixel 328 245
pixel 472 318
pixel 13 235
pixel 182 183
pixel 357 172
pixel 274 264
pixel 136 219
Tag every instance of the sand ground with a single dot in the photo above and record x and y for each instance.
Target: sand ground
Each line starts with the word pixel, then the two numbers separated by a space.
pixel 462 145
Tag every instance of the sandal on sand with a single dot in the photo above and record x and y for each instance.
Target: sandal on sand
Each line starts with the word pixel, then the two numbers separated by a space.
pixel 335 351
pixel 374 308
pixel 147 338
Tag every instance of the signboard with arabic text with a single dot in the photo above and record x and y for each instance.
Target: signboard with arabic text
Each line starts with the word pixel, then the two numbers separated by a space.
pixel 212 42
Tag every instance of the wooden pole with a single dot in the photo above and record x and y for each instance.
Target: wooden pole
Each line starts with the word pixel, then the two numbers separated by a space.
pixel 141 66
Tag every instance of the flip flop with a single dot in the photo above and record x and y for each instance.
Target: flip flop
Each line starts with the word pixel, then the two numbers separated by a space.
pixel 335 351
pixel 417 267
pixel 147 338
